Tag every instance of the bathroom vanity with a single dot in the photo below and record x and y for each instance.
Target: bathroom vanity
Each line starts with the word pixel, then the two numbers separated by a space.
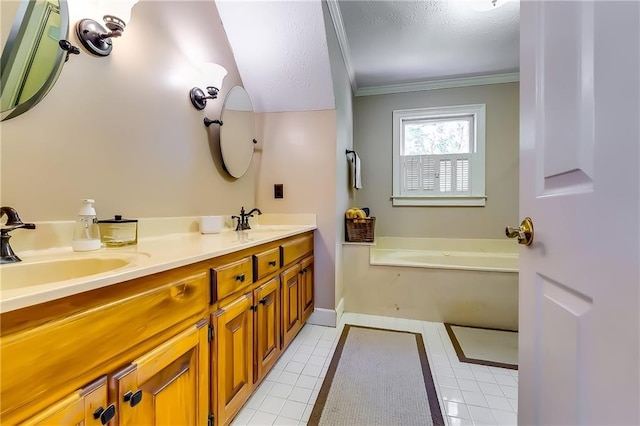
pixel 184 341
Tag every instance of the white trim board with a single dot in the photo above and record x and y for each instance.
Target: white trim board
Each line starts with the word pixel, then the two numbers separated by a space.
pixel 327 317
pixel 338 24
pixel 339 310
pixel 438 84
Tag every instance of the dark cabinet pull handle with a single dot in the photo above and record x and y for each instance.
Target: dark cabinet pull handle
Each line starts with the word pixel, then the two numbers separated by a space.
pixel 105 414
pixel 272 263
pixel 240 278
pixel 254 308
pixel 263 301
pixel 304 271
pixel 133 398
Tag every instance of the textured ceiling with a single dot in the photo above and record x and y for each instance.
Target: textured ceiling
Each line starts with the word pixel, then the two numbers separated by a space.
pixel 409 41
pixel 280 48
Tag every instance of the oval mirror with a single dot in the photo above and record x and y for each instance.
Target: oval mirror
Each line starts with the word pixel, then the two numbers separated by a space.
pixel 237 133
pixel 31 57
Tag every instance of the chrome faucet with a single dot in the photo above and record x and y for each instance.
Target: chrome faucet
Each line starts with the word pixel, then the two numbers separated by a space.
pixel 13 222
pixel 243 219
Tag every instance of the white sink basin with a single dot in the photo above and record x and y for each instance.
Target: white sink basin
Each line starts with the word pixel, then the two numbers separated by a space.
pixel 26 274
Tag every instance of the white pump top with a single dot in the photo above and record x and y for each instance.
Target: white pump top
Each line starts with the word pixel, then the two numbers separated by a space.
pixel 87 208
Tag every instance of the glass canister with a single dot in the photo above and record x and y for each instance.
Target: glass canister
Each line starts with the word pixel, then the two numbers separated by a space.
pixel 118 232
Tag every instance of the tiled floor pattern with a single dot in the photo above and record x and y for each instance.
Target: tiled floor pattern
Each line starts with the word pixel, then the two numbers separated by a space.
pixel 469 394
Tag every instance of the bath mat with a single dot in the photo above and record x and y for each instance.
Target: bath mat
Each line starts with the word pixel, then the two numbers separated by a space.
pixel 378 377
pixel 485 346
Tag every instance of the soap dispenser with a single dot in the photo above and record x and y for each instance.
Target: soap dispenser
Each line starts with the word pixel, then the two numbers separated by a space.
pixel 86 236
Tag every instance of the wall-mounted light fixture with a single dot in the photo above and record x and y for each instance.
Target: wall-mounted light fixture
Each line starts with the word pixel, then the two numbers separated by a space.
pixel 213 74
pixel 94 37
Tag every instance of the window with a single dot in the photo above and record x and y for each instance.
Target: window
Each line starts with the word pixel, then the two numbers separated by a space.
pixel 438 156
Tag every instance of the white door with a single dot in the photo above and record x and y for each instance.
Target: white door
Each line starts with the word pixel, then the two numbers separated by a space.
pixel 580 156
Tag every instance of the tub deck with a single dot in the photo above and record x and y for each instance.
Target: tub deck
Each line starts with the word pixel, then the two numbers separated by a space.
pixel 466 282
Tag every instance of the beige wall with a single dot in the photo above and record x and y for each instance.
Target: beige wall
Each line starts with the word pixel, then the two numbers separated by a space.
pixel 345 194
pixel 297 149
pixel 122 130
pixel 373 140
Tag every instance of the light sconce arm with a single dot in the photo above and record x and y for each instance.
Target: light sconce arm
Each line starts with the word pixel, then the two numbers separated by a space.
pixel 198 97
pixel 96 38
pixel 213 74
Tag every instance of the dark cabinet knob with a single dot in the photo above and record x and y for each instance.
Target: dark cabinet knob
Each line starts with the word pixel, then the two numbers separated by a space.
pixel 133 398
pixel 263 301
pixel 240 278
pixel 254 308
pixel 105 414
pixel 272 263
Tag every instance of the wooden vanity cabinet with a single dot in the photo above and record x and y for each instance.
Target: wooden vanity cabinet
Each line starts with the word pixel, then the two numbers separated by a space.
pixel 297 286
pixel 85 407
pixel 232 358
pixel 253 324
pixel 267 327
pixel 306 288
pixel 291 304
pixel 245 346
pixel 50 350
pixel 176 347
pixel 168 385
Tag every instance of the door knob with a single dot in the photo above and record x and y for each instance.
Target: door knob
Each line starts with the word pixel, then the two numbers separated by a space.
pixel 524 232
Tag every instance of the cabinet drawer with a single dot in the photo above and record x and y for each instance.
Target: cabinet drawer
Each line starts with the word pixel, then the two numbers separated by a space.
pixel 265 263
pixel 229 278
pixel 295 249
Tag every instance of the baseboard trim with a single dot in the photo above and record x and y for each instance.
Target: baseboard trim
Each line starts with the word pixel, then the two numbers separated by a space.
pixel 321 316
pixel 327 317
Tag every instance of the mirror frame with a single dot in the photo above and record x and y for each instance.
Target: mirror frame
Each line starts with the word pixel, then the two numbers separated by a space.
pixel 55 72
pixel 225 129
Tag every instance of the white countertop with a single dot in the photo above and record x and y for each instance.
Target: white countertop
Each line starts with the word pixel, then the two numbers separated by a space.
pixel 151 255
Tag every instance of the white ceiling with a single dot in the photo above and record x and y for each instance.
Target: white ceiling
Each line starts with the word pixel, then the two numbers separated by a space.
pixel 413 41
pixel 281 51
pixel 280 47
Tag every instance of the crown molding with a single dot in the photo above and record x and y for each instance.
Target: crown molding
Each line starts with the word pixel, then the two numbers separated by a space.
pixel 336 18
pixel 439 84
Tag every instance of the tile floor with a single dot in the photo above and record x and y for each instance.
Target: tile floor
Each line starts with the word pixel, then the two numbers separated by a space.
pixel 469 394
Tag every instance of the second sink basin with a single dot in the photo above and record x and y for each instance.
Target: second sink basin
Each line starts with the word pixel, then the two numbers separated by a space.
pixel 26 274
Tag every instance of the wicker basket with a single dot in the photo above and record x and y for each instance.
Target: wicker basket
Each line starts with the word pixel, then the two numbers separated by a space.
pixel 360 230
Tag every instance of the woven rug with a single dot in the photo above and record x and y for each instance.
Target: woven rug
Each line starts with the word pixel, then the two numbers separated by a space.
pixel 378 377
pixel 485 346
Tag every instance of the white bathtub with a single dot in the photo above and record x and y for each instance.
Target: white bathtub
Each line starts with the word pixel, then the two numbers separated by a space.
pixel 460 281
pixel 441 253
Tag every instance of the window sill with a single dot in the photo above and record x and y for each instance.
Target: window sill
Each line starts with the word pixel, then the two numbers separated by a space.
pixel 465 201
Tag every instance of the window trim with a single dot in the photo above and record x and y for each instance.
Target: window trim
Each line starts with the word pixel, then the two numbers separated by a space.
pixel 478 196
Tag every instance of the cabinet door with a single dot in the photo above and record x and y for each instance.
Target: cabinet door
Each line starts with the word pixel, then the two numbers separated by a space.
pixel 87 407
pixel 306 287
pixel 291 310
pixel 267 326
pixel 168 385
pixel 232 358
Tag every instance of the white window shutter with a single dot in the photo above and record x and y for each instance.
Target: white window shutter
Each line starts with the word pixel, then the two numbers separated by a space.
pixel 428 173
pixel 411 173
pixel 462 175
pixel 445 175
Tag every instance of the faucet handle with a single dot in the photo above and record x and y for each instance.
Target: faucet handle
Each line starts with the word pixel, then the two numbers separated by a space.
pixel 21 225
pixel 13 220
